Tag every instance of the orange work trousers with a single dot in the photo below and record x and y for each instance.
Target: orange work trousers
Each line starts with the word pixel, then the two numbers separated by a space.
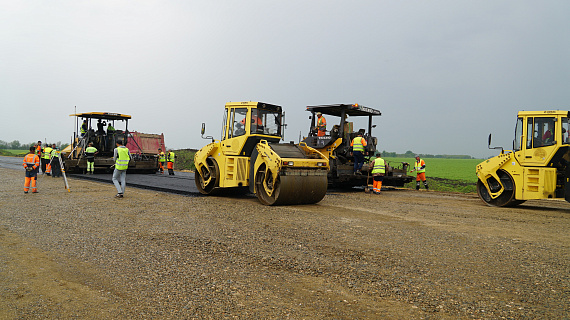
pixel 421 176
pixel 170 165
pixel 33 181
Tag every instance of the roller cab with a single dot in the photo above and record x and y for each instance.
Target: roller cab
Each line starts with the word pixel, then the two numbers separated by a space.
pixel 536 168
pixel 249 157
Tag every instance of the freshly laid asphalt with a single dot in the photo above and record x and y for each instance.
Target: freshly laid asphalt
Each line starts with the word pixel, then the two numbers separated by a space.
pixel 180 183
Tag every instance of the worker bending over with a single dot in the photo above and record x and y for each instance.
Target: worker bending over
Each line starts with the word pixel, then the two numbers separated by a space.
pixel 31 163
pixel 378 171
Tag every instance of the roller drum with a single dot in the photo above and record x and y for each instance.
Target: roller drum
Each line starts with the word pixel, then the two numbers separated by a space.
pixel 291 189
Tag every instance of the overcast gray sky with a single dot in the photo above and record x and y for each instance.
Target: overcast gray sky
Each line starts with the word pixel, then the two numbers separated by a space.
pixel 444 74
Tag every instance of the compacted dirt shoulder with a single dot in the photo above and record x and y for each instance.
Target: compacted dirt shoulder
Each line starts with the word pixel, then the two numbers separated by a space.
pixel 399 255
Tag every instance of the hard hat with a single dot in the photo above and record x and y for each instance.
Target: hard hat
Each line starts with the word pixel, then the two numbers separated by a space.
pixel 319 114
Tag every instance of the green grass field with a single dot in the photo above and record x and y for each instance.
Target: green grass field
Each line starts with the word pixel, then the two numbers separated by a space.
pixel 13 152
pixel 455 175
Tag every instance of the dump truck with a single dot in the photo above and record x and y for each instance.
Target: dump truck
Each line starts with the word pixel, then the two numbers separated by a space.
pixel 250 157
pixel 335 144
pixel 537 167
pixel 104 129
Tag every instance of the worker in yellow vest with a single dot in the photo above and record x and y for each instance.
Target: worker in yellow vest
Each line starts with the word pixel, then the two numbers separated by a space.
pixel 161 160
pixel 420 169
pixel 358 144
pixel 170 162
pixel 378 171
pixel 46 154
pixel 90 152
pixel 55 164
pixel 121 156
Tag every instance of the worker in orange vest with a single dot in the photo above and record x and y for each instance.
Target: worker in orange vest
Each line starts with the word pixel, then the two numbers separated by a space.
pixel 31 163
pixel 321 125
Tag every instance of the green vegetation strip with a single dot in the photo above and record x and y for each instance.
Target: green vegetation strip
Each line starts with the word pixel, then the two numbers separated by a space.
pixel 450 175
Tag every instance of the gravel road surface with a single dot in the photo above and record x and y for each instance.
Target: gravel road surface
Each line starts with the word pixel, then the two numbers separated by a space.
pixel 400 255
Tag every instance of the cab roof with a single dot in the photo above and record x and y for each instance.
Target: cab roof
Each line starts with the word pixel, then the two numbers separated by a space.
pixel 254 104
pixel 544 113
pixel 353 110
pixel 102 115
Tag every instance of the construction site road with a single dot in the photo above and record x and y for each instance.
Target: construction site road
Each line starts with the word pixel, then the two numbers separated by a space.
pixel 404 254
pixel 180 183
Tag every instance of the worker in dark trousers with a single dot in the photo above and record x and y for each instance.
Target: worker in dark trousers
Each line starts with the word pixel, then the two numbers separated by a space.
pixel 170 162
pixel 55 165
pixel 46 154
pixel 358 145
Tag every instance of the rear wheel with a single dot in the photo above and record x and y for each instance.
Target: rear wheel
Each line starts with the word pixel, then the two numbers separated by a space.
pixel 207 177
pixel 507 197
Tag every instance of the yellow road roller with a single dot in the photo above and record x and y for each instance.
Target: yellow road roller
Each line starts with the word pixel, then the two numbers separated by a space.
pixel 250 157
pixel 538 167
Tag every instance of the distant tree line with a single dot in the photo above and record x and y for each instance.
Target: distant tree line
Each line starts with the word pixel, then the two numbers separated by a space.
pixel 411 154
pixel 16 145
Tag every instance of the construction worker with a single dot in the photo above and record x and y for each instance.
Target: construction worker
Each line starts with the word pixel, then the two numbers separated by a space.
pixel 121 156
pixel 358 144
pixel 170 162
pixel 90 153
pixel 32 164
pixel 83 128
pixel 38 149
pixel 378 171
pixel 321 125
pixel 55 164
pixel 420 169
pixel 46 154
pixel 161 160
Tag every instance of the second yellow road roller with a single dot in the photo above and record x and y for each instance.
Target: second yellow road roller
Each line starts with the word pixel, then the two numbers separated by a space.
pixel 249 156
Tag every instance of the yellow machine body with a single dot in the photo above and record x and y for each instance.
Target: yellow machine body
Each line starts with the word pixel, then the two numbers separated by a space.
pixel 249 156
pixel 536 168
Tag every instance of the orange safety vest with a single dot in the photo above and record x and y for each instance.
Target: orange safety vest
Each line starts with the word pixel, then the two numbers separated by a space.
pixel 31 160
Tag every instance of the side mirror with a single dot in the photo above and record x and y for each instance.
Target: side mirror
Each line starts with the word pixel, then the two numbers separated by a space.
pixel 489 145
pixel 204 131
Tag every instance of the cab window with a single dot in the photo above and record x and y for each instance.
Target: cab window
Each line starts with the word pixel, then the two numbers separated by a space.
pixel 238 122
pixel 518 134
pixel 565 131
pixel 266 122
pixel 543 130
